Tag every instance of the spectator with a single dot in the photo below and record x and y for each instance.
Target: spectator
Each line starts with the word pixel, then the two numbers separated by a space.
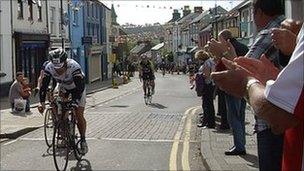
pixel 289 30
pixel 279 102
pixel 222 110
pixel 16 91
pixel 208 66
pixel 267 15
pixel 235 106
pixel 27 93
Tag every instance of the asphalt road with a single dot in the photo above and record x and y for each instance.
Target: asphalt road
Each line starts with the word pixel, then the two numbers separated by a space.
pixel 125 134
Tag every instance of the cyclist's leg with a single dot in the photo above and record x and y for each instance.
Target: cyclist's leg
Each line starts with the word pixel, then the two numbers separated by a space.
pixel 81 122
pixel 145 86
pixel 152 82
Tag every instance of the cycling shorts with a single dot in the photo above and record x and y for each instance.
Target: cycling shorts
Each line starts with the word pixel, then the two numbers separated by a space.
pixel 148 76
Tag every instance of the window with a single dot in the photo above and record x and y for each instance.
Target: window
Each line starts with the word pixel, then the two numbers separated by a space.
pixel 52 20
pixel 30 8
pixel 92 9
pixel 39 13
pixel 96 11
pixel 88 9
pixel 98 38
pixel 0 51
pixel 20 9
pixel 93 30
pixel 88 28
pixel 75 17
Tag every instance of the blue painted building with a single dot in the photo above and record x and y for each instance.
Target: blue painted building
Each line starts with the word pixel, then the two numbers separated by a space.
pixel 88 34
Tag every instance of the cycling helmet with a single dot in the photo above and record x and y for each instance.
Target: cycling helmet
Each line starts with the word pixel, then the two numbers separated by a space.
pixel 58 57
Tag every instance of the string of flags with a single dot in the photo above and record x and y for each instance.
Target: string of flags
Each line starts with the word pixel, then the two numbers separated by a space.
pixel 149 6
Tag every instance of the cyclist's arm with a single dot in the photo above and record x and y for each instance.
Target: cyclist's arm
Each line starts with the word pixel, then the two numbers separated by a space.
pixel 40 79
pixel 152 67
pixel 79 82
pixel 140 70
pixel 44 86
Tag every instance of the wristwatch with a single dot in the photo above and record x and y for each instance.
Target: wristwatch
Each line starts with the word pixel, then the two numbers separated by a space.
pixel 248 85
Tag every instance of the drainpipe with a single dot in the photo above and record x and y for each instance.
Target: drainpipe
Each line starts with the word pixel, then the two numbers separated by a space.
pixel 47 20
pixel 12 40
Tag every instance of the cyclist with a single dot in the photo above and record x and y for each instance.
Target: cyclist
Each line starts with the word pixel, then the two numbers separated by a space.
pixel 70 77
pixel 40 78
pixel 146 73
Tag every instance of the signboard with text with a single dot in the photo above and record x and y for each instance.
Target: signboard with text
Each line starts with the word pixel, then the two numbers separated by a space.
pixel 87 40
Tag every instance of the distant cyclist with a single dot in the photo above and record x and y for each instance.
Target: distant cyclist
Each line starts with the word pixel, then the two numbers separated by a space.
pixel 146 73
pixel 70 77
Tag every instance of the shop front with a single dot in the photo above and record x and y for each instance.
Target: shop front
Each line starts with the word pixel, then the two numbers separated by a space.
pixel 31 51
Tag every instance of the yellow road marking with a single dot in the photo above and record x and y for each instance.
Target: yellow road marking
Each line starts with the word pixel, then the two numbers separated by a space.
pixel 173 155
pixel 185 153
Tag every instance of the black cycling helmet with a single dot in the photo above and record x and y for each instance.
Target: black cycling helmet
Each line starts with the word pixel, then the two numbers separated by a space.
pixel 58 57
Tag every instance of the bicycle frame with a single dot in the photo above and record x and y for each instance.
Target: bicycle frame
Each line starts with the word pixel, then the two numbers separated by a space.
pixel 66 124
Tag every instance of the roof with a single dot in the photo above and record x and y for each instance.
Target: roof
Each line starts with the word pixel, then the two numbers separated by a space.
pixel 138 48
pixel 200 16
pixel 207 28
pixel 240 5
pixel 158 46
pixel 190 16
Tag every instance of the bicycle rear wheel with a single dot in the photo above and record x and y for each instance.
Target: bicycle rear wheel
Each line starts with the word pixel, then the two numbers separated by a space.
pixel 61 147
pixel 48 127
pixel 75 140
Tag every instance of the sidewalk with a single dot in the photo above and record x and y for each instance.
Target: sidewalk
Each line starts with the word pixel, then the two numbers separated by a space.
pixel 15 125
pixel 90 88
pixel 215 142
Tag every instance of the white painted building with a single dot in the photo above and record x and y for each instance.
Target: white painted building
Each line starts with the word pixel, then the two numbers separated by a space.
pixel 54 24
pixel 6 62
pixel 30 37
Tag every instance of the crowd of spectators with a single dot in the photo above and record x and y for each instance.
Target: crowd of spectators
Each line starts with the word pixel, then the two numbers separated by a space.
pixel 269 76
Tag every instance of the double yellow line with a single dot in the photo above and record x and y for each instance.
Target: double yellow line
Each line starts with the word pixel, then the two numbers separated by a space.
pixel 186 120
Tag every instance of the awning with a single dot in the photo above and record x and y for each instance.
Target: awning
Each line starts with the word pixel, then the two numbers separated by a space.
pixel 158 46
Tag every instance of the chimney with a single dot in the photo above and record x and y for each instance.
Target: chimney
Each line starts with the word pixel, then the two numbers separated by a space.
pixel 186 10
pixel 198 10
pixel 175 15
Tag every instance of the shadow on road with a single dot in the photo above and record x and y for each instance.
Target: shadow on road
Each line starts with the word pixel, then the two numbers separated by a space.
pixel 120 106
pixel 157 105
pixel 83 164
pixel 253 159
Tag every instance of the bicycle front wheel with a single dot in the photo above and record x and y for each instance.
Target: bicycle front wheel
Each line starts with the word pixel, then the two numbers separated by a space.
pixel 48 127
pixel 61 147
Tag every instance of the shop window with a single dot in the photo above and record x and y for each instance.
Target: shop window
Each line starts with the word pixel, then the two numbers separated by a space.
pixel 20 9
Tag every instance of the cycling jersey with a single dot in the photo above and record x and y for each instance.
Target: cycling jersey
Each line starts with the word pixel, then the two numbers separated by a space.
pixel 147 71
pixel 44 65
pixel 72 80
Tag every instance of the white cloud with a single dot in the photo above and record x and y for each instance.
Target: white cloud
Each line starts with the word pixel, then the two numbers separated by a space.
pixel 141 12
